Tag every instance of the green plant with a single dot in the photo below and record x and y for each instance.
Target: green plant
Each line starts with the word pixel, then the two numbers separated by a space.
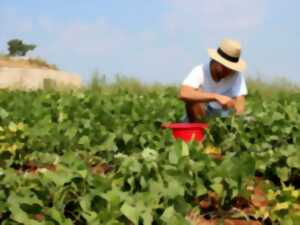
pixel 99 156
pixel 16 47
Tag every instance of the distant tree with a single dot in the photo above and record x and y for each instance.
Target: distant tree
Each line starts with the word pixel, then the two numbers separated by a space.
pixel 16 47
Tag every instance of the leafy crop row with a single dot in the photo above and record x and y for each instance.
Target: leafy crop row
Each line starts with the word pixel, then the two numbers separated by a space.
pixel 93 157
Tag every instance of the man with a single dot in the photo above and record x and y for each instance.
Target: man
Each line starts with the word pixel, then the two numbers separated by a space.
pixel 216 88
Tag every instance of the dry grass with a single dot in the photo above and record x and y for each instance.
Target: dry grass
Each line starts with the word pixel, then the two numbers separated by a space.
pixel 99 82
pixel 266 89
pixel 277 86
pixel 6 61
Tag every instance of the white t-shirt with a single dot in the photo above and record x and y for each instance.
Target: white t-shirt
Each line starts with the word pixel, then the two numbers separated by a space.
pixel 232 86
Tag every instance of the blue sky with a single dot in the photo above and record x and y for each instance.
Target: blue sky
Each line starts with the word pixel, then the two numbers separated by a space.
pixel 155 40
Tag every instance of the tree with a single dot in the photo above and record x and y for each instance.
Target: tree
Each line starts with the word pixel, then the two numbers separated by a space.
pixel 16 47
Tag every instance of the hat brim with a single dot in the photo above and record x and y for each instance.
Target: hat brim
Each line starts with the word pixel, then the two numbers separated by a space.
pixel 238 66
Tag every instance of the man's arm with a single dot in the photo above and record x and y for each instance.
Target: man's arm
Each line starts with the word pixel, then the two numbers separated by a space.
pixel 188 93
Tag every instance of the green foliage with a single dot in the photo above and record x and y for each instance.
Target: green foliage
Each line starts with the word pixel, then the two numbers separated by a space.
pixel 99 156
pixel 16 47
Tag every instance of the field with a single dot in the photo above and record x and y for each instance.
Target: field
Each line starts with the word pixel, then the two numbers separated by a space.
pixel 99 157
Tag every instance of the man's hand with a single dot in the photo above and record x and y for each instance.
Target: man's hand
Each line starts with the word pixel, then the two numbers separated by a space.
pixel 238 104
pixel 230 105
pixel 224 101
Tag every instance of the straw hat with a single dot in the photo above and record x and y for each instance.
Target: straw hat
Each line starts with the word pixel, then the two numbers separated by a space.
pixel 228 54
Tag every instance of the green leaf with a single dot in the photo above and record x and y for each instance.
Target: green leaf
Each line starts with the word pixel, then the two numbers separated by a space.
pixel 168 214
pixel 109 143
pixel 173 157
pixel 218 188
pixel 71 132
pixel 175 153
pixel 3 113
pixel 90 216
pixel 287 221
pixel 150 154
pixel 12 127
pixel 156 187
pixel 185 149
pixel 60 177
pixel 19 215
pixel 171 217
pixel 294 161
pixel 283 173
pixel 127 137
pixel 200 188
pixel 175 189
pixel 85 202
pixel 85 141
pixel 132 213
pixel 136 166
pixel 59 217
pixel 147 217
pixel 114 197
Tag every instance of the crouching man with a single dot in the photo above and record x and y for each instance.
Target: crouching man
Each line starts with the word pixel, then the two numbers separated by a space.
pixel 218 87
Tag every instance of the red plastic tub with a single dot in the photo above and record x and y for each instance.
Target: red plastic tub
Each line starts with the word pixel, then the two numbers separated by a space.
pixel 187 131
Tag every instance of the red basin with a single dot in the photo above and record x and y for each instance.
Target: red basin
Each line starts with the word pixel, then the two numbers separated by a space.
pixel 187 131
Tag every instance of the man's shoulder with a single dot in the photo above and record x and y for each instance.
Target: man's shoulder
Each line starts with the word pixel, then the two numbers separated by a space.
pixel 239 76
pixel 198 69
pixel 195 77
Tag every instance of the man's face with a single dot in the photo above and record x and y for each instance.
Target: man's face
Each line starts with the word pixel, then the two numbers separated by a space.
pixel 222 71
